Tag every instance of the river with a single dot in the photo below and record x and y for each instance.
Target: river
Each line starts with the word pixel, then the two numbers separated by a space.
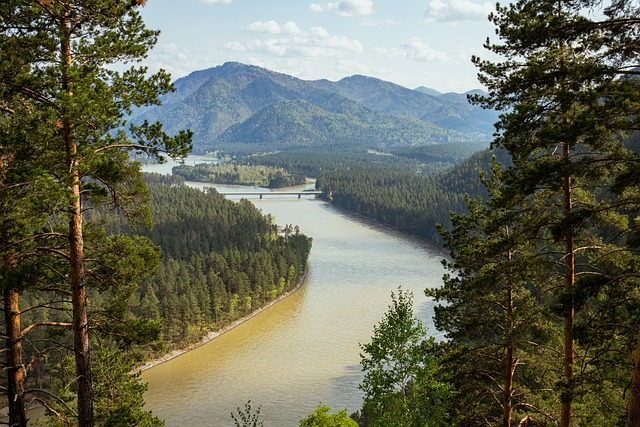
pixel 305 349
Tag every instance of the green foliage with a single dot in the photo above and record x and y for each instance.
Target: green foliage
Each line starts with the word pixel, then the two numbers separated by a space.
pixel 118 393
pixel 247 417
pixel 451 153
pixel 123 261
pixel 552 243
pixel 299 123
pixel 56 67
pixel 320 417
pixel 493 311
pixel 316 161
pixel 425 159
pixel 404 199
pixel 402 385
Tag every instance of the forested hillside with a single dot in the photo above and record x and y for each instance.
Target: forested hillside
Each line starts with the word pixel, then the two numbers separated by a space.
pixel 313 162
pixel 405 199
pixel 412 189
pixel 298 123
pixel 220 260
pixel 449 111
pixel 449 154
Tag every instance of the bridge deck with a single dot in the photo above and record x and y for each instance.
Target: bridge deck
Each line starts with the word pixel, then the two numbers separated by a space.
pixel 271 193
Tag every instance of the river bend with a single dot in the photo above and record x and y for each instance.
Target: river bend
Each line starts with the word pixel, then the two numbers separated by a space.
pixel 305 349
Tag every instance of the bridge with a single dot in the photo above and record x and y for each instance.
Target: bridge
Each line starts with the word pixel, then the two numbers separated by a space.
pixel 315 193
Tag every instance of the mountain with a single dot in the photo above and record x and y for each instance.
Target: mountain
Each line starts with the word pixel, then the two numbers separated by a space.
pixel 298 123
pixel 235 105
pixel 449 111
pixel 457 113
pixel 428 91
pixel 382 96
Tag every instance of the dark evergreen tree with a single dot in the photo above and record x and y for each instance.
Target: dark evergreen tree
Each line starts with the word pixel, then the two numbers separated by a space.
pixel 494 316
pixel 567 108
pixel 82 102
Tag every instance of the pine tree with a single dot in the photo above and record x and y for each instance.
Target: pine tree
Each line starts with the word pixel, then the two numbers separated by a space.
pixel 24 197
pixel 84 103
pixel 566 109
pixel 492 313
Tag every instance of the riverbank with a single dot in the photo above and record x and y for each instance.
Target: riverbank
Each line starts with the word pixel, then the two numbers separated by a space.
pixel 215 334
pixel 381 224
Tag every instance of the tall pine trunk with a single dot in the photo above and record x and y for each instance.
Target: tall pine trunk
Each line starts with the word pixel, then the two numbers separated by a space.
pixel 13 340
pixel 76 253
pixel 508 388
pixel 509 368
pixel 80 318
pixel 569 312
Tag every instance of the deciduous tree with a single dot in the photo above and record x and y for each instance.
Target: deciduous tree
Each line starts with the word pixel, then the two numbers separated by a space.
pixel 321 417
pixel 401 384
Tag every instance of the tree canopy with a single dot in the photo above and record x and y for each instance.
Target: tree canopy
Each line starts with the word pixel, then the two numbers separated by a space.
pixel 559 225
pixel 57 73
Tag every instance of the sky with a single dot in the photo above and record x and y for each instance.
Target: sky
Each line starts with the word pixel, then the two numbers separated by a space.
pixel 409 42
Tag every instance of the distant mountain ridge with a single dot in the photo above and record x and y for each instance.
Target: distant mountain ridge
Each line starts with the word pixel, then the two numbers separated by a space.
pixel 235 105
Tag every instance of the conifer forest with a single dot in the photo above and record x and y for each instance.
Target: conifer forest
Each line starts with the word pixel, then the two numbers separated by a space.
pixel 105 268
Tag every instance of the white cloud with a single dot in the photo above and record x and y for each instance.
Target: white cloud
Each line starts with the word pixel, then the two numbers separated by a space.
pixel 350 68
pixel 377 22
pixel 345 7
pixel 322 37
pixel 457 10
pixel 291 41
pixel 177 60
pixel 290 27
pixel 272 27
pixel 414 49
pixel 237 46
pixel 421 51
pixel 273 47
pixel 217 1
pixel 320 32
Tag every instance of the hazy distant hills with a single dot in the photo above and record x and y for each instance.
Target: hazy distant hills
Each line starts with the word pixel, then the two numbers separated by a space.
pixel 236 105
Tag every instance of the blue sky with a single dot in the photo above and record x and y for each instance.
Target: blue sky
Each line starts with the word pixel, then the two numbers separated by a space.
pixel 409 42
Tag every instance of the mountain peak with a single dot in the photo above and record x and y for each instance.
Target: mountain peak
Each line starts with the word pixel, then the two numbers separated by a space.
pixel 428 91
pixel 233 67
